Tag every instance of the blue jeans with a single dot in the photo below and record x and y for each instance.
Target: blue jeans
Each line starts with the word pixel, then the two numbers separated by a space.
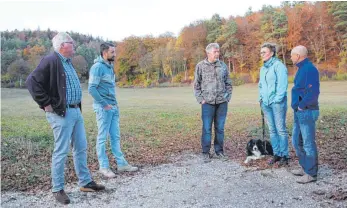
pixel 217 114
pixel 108 123
pixel 304 140
pixel 275 116
pixel 68 130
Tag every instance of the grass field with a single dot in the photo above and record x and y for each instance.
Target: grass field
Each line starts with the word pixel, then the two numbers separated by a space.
pixel 155 123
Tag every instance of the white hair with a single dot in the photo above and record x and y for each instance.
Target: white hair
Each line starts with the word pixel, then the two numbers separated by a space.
pixel 60 38
pixel 210 46
pixel 301 50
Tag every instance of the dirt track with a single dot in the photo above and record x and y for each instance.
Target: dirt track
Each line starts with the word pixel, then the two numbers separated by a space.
pixel 188 182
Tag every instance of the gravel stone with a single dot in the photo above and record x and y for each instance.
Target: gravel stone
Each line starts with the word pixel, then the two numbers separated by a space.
pixel 189 182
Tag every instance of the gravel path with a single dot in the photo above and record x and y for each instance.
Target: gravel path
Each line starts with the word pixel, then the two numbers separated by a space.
pixel 188 182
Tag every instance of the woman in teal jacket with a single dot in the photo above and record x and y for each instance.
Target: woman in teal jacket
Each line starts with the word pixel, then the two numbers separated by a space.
pixel 273 86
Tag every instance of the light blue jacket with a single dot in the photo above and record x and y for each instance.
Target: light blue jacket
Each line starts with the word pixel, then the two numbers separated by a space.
pixel 273 82
pixel 102 83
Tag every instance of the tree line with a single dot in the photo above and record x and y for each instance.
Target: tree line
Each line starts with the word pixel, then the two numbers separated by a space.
pixel 22 51
pixel 153 61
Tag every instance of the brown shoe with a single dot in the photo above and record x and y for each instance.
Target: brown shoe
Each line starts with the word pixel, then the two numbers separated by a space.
pixel 92 186
pixel 61 197
pixel 306 179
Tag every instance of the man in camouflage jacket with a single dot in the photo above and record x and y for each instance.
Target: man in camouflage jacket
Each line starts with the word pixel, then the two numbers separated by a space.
pixel 212 88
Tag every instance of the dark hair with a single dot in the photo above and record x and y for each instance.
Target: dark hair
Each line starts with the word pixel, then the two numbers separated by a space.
pixel 105 46
pixel 270 46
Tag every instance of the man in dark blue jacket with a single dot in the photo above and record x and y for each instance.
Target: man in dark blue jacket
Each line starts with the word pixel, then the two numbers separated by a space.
pixel 305 94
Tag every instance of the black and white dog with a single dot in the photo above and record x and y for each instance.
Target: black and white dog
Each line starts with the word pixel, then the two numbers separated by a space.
pixel 257 149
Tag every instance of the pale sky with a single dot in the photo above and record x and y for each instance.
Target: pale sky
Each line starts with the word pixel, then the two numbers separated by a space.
pixel 117 19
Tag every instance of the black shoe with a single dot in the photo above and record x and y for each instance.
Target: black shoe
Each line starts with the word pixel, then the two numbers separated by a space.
pixel 222 156
pixel 284 161
pixel 274 159
pixel 206 157
pixel 92 186
pixel 61 197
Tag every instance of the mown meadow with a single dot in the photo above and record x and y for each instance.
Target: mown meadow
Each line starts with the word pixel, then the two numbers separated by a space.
pixel 156 124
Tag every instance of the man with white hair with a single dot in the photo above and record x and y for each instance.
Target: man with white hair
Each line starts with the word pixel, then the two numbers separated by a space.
pixel 305 93
pixel 212 88
pixel 55 87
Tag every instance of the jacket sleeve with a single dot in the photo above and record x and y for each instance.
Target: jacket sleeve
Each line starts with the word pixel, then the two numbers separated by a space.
pixel 197 84
pixel 95 75
pixel 228 84
pixel 282 82
pixel 37 83
pixel 311 88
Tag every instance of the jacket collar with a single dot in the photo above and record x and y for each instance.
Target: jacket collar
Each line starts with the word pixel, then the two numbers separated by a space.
pixel 217 63
pixel 269 62
pixel 303 62
pixel 63 58
pixel 102 60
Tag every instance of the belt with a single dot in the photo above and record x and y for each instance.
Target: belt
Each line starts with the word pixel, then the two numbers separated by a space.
pixel 72 106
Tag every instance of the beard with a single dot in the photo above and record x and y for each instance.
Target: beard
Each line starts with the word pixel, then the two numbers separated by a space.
pixel 110 59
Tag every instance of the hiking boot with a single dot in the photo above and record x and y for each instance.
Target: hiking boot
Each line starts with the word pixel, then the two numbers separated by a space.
pixel 92 186
pixel 274 159
pixel 284 161
pixel 306 179
pixel 206 157
pixel 222 156
pixel 61 197
pixel 107 172
pixel 127 168
pixel 298 172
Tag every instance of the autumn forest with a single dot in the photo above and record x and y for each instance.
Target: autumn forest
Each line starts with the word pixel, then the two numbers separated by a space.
pixel 167 60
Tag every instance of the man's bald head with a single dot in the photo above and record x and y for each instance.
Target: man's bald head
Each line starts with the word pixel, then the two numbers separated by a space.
pixel 298 54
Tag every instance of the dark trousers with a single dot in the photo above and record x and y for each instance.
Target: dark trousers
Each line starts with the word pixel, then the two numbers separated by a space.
pixel 209 114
